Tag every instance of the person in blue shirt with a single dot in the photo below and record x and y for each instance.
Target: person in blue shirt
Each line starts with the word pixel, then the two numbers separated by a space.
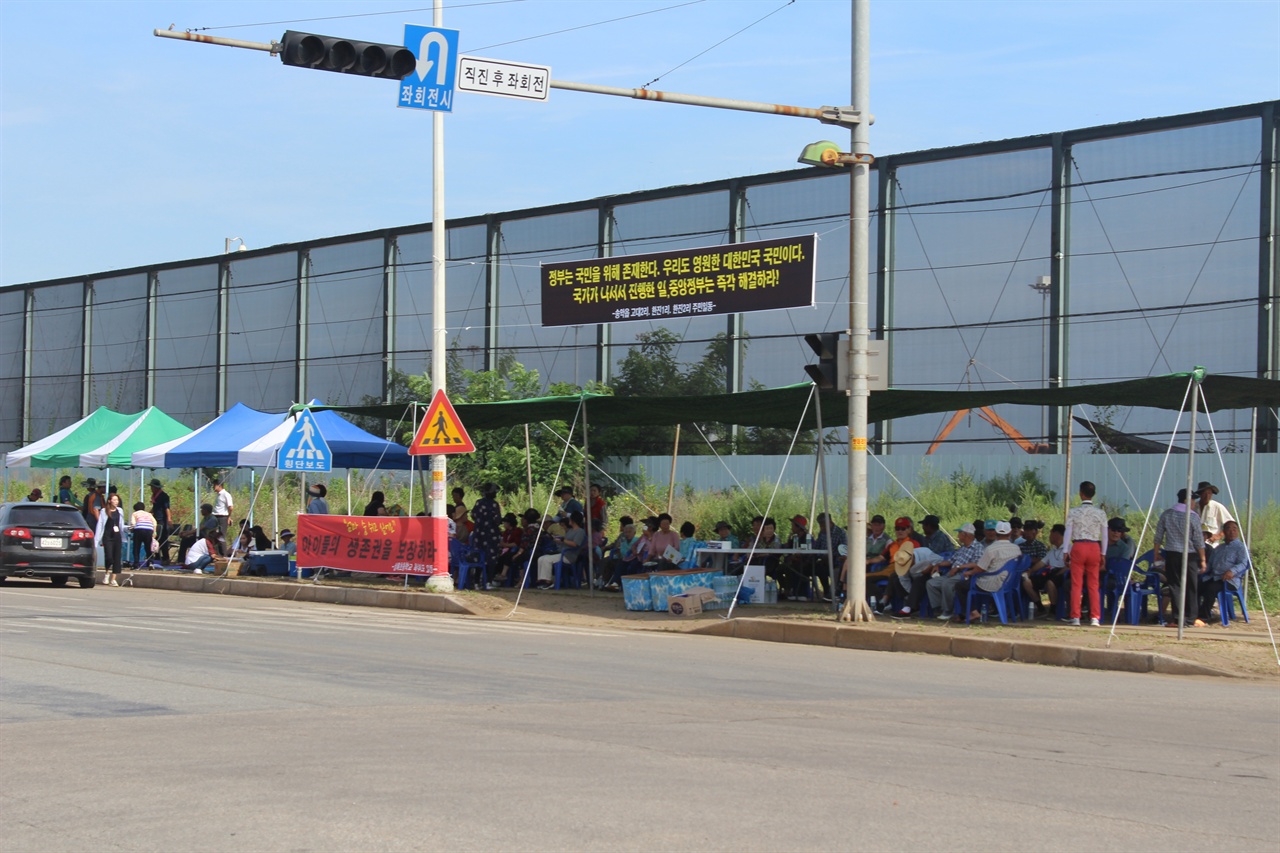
pixel 1227 565
pixel 724 533
pixel 689 546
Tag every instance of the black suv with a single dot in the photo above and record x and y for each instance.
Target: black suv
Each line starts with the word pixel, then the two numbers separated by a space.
pixel 39 540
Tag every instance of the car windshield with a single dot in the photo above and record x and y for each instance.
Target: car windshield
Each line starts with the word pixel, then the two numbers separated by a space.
pixel 46 516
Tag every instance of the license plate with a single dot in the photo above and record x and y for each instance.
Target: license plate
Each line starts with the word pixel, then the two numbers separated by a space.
pixel 52 542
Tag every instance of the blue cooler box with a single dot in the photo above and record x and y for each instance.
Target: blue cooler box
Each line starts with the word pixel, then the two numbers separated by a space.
pixel 266 564
pixel 636 594
pixel 662 585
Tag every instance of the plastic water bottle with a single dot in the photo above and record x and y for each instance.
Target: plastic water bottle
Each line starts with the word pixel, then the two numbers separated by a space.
pixel 984 613
pixel 1031 610
pixel 873 602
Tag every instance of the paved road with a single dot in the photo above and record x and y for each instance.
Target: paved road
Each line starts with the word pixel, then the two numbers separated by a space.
pixel 147 720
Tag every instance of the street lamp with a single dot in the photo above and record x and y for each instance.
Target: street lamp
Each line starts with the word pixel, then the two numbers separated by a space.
pixel 1044 286
pixel 226 245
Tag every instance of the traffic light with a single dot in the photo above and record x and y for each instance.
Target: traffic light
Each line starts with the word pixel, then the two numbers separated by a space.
pixel 367 59
pixel 830 372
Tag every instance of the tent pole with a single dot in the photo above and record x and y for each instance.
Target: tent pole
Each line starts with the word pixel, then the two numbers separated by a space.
pixel 348 491
pixel 275 502
pixel 1248 495
pixel 1186 524
pixel 528 463
pixel 675 452
pixel 253 491
pixel 826 509
pixel 1066 485
pixel 586 476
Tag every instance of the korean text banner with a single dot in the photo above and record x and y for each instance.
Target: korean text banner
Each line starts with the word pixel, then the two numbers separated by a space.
pixel 382 545
pixel 761 276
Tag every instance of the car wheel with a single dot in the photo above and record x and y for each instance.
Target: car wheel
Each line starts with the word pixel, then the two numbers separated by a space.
pixel 58 580
pixel 86 581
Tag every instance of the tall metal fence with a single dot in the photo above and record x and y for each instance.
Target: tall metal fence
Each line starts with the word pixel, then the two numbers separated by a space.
pixel 1090 255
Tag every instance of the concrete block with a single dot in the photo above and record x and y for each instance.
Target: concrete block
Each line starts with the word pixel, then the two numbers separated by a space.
pixel 810 633
pixel 864 637
pixel 987 648
pixel 768 630
pixel 1045 654
pixel 921 643
pixel 718 628
pixel 1114 659
pixel 1176 666
pixel 362 596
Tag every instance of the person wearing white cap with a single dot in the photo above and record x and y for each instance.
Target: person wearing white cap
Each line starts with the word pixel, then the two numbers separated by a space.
pixel 987 573
pixel 948 573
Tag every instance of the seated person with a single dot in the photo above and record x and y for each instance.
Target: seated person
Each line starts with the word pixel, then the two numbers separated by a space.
pixel 799 537
pixel 622 555
pixel 910 586
pixel 187 537
pixel 1047 570
pixel 725 534
pixel 821 570
pixel 570 545
pixel 947 574
pixel 1227 565
pixel 200 555
pixel 261 541
pixel 988 574
pixel 509 547
pixel 287 544
pixel 689 546
pixel 659 541
pixel 1119 545
pixel 881 565
pixel 207 521
pixel 462 524
pixel 935 538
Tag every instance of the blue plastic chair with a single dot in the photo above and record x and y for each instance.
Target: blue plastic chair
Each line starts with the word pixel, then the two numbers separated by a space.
pixel 472 559
pixel 1226 607
pixel 1007 598
pixel 570 573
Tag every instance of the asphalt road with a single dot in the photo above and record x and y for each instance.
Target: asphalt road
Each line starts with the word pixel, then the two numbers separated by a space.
pixel 147 720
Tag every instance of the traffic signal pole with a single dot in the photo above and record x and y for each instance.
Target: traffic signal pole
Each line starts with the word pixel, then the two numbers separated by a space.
pixel 855 117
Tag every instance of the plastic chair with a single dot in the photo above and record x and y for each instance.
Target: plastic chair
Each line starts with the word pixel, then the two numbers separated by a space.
pixel 1144 583
pixel 472 559
pixel 1007 598
pixel 1226 608
pixel 575 571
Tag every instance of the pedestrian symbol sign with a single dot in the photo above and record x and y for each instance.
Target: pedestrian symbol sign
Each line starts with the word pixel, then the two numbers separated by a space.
pixel 441 431
pixel 305 448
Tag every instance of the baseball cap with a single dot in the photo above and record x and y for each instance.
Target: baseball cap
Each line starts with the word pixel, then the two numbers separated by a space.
pixel 1003 528
pixel 800 519
pixel 966 528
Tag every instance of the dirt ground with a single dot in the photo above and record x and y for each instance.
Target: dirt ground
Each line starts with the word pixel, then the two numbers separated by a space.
pixel 1243 649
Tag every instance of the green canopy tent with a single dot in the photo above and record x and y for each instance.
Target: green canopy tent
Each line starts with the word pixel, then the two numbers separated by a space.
pixel 779 407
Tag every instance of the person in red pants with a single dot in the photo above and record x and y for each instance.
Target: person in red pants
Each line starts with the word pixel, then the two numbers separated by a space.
pixel 1085 547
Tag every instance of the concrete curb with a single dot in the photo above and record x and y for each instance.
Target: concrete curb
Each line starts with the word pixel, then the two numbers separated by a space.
pixel 869 638
pixel 429 602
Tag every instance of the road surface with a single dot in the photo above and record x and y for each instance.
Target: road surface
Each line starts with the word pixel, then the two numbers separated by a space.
pixel 149 720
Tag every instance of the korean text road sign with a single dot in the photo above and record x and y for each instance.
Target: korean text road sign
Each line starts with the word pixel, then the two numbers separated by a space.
pixel 430 86
pixel 499 77
pixel 305 448
pixel 441 431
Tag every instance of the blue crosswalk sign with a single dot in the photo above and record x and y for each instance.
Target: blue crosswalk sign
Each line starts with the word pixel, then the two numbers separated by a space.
pixel 305 448
pixel 430 85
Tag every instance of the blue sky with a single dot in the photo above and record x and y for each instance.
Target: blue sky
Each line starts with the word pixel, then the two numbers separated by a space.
pixel 127 149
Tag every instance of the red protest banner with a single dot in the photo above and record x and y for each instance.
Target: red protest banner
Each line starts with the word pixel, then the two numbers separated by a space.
pixel 381 545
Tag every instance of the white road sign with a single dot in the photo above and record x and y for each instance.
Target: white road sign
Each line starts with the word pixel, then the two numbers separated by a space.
pixel 500 77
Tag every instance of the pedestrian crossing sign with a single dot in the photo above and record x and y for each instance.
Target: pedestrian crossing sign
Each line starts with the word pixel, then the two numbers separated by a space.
pixel 305 448
pixel 441 431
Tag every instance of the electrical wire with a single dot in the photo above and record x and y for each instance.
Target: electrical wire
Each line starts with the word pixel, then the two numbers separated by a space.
pixel 717 44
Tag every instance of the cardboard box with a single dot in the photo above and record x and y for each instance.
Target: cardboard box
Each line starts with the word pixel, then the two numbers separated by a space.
pixel 691 602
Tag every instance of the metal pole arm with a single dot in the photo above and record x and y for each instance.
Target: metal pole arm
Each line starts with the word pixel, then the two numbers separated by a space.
pixel 846 117
pixel 272 48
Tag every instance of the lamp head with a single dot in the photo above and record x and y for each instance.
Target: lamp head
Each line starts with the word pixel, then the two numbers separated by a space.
pixel 824 153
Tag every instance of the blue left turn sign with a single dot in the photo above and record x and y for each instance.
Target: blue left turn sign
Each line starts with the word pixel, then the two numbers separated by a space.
pixel 430 86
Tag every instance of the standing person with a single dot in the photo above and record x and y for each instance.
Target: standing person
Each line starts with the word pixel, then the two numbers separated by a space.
pixel 1213 515
pixel 486 532
pixel 144 530
pixel 1085 547
pixel 92 503
pixel 223 503
pixel 1169 543
pixel 109 533
pixel 65 495
pixel 599 514
pixel 317 505
pixel 163 514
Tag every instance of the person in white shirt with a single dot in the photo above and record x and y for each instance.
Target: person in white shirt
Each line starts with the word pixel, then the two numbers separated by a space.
pixel 223 503
pixel 1213 515
pixel 200 555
